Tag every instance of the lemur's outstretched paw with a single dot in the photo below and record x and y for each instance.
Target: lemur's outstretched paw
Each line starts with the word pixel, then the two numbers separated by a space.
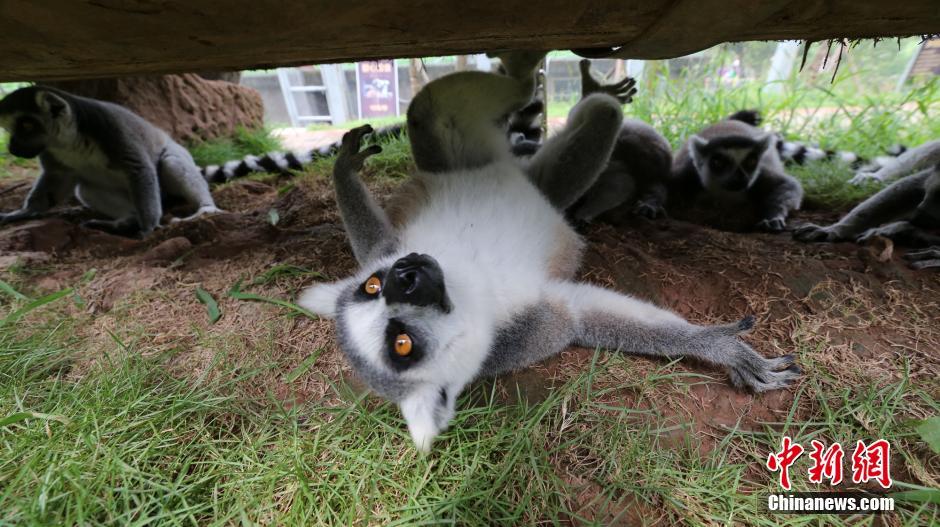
pixel 924 259
pixel 746 368
pixel 349 156
pixel 649 210
pixel 777 224
pixel 814 233
pixel 622 90
pixel 894 231
pixel 860 178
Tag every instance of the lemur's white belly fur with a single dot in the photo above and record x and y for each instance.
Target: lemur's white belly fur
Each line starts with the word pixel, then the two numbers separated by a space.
pixel 89 165
pixel 495 227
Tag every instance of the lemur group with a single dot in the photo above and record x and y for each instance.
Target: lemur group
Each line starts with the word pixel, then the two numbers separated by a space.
pixel 468 271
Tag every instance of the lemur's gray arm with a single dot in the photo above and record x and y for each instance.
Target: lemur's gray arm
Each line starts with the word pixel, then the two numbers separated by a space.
pixel 145 192
pixel 893 202
pixel 590 316
pixel 778 195
pixel 536 333
pixel 52 187
pixel 367 225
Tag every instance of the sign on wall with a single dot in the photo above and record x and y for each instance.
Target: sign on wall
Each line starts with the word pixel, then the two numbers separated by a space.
pixel 377 83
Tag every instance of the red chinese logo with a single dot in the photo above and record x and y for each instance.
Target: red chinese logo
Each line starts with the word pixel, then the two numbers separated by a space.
pixel 782 460
pixel 872 462
pixel 869 462
pixel 826 463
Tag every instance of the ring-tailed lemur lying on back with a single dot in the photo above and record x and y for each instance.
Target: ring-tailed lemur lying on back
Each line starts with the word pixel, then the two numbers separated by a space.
pixel 903 211
pixel 733 163
pixel 111 159
pixel 470 272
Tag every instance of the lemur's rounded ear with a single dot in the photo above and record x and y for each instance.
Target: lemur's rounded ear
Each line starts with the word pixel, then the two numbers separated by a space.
pixel 321 298
pixel 697 146
pixel 764 140
pixel 51 103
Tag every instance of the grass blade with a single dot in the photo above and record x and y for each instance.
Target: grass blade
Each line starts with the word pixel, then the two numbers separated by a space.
pixel 39 302
pixel 211 305
pixel 918 496
pixel 8 289
pixel 304 366
pixel 22 416
pixel 236 293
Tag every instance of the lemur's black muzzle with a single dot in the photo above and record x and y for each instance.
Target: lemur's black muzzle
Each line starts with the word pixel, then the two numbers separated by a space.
pixel 416 279
pixel 737 182
pixel 25 151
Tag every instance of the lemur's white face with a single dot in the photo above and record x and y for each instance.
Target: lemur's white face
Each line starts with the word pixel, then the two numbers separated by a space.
pixel 410 334
pixel 728 163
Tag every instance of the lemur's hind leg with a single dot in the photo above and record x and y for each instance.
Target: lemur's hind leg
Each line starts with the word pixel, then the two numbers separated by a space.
pixel 179 176
pixel 459 121
pixel 613 187
pixel 368 227
pixel 115 204
pixel 891 203
pixel 925 155
pixel 569 163
pixel 925 259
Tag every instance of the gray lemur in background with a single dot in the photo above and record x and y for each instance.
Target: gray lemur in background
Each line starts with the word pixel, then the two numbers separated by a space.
pixel 735 163
pixel 112 160
pixel 470 271
pixel 901 211
pixel 637 169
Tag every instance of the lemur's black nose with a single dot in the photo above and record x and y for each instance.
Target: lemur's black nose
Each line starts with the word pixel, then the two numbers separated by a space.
pixel 416 279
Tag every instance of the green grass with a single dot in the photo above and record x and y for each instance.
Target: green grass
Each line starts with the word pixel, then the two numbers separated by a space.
pixel 242 143
pixel 127 444
pixel 376 123
pixel 11 165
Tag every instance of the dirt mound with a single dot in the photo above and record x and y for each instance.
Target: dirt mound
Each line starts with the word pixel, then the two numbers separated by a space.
pixel 186 106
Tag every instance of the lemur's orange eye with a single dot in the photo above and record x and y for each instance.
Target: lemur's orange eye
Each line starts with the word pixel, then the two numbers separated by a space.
pixel 373 285
pixel 403 345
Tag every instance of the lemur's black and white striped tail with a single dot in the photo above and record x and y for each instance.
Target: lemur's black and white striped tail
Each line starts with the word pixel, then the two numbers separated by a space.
pixel 799 153
pixel 283 162
pixel 796 153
